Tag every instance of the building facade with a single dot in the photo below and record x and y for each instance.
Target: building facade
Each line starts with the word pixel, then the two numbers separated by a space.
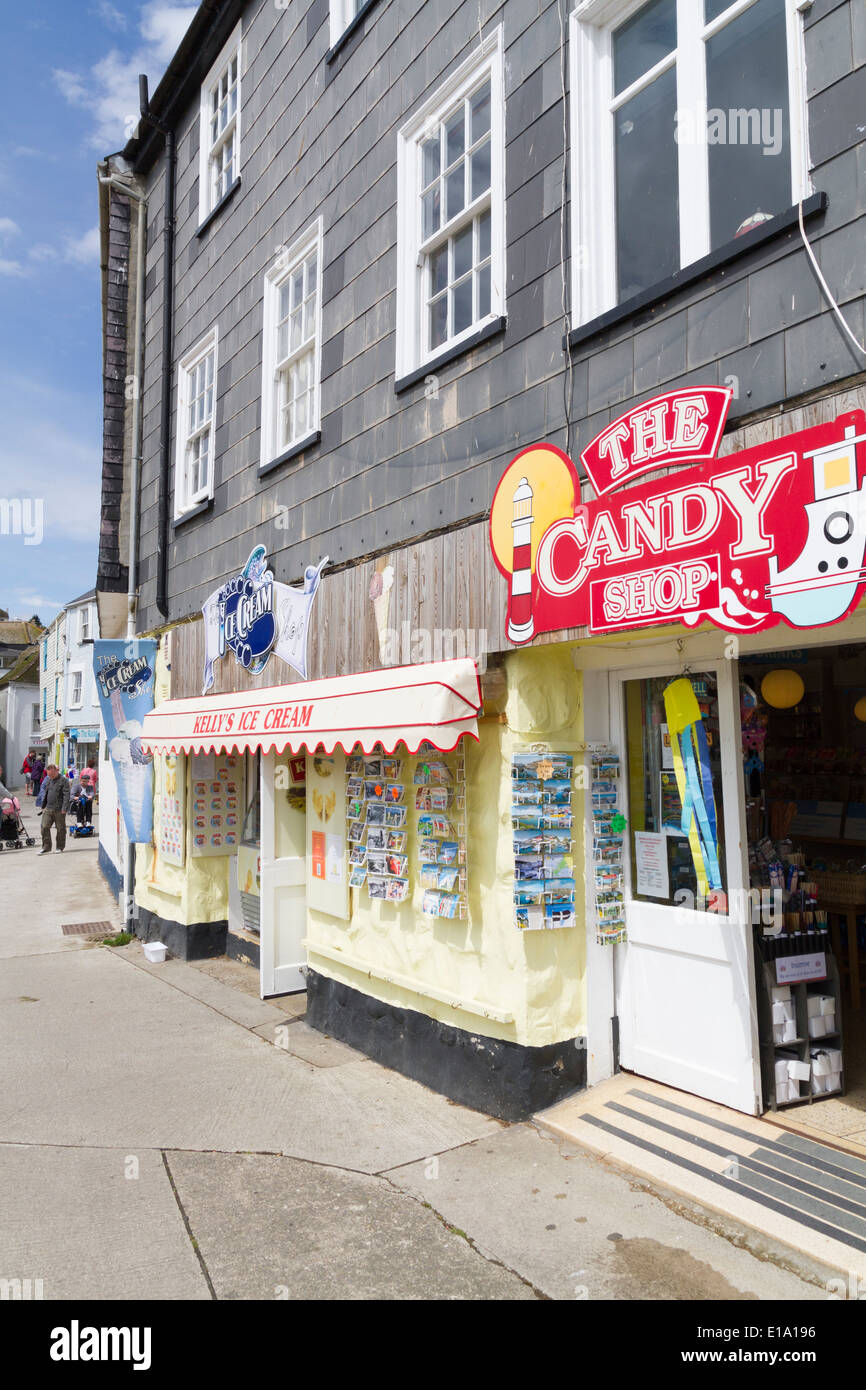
pixel 52 687
pixel 387 253
pixel 81 717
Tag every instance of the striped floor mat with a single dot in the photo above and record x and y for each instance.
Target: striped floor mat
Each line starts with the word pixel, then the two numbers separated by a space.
pixel 793 1189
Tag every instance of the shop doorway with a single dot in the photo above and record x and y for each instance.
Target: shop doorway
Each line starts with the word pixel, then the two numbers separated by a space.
pixel 283 874
pixel 804 753
pixel 686 996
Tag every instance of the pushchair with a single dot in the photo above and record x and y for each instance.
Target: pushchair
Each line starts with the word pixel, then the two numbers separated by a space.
pixel 12 832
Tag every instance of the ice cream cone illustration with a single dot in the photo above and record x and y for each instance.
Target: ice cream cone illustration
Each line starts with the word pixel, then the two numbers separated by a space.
pixel 380 596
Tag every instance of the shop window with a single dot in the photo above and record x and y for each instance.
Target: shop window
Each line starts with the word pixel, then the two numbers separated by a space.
pixel 291 360
pixel 451 212
pixel 688 128
pixel 220 127
pixel 675 817
pixel 196 413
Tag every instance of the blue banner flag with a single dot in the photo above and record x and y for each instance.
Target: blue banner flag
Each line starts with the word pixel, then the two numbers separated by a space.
pixel 124 672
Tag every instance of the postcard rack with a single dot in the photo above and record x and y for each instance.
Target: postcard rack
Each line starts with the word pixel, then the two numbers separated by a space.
pixel 439 803
pixel 542 820
pixel 608 825
pixel 376 826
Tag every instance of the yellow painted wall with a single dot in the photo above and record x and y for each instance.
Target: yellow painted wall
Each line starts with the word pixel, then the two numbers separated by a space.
pixel 538 977
pixel 197 892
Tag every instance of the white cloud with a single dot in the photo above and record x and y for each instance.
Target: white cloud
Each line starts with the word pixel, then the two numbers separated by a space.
pixel 109 90
pixel 109 15
pixel 8 228
pixel 84 249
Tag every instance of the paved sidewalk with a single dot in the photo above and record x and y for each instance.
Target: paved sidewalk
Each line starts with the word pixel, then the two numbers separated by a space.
pixel 165 1134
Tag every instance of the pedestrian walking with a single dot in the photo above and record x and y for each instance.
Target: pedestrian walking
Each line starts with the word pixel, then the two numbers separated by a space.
pixel 26 769
pixel 55 806
pixel 89 773
pixel 36 775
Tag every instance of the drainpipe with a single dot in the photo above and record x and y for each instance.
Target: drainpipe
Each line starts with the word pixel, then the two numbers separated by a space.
pixel 124 187
pixel 167 310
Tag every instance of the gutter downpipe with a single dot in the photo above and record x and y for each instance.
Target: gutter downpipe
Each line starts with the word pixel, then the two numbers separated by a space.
pixel 167 345
pixel 115 181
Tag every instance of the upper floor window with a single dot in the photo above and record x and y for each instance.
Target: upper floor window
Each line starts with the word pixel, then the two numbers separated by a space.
pixel 196 410
pixel 292 346
pixel 77 688
pixel 220 127
pixel 84 626
pixel 45 655
pixel 342 14
pixel 688 130
pixel 451 211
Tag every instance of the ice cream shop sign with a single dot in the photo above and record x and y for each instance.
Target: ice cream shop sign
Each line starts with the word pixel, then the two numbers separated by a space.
pixel 775 532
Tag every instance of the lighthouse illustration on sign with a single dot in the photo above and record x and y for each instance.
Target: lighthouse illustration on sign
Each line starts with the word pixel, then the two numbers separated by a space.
pixel 521 624
pixel 821 583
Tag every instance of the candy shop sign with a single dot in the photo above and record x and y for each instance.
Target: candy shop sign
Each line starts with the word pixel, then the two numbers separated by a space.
pixel 775 532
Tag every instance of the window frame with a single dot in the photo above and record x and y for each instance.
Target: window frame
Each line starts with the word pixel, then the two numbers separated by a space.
pixel 233 48
pixel 73 672
pixel 487 60
pixel 278 273
pixel 340 19
pixel 84 625
pixel 184 501
pixel 592 163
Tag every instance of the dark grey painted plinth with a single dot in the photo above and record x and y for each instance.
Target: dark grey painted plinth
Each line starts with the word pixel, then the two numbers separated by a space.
pixel 197 941
pixel 242 949
pixel 501 1078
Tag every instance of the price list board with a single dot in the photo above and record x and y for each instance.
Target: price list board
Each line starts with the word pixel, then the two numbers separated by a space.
pixel 216 803
pixel 542 821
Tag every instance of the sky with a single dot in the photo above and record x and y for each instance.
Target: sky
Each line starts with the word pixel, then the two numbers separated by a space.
pixel 70 98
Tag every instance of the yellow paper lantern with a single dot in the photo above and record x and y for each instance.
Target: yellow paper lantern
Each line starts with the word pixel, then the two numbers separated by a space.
pixel 860 709
pixel 782 689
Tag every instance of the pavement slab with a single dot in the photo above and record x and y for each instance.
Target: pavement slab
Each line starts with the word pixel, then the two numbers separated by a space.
pixel 576 1230
pixel 106 1054
pixel 94 1224
pixel 275 1228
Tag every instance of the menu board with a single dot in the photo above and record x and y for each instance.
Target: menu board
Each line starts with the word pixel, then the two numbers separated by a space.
pixel 543 830
pixel 327 881
pixel 216 803
pixel 172 808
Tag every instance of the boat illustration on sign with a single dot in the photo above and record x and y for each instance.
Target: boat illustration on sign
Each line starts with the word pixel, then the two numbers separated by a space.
pixel 820 585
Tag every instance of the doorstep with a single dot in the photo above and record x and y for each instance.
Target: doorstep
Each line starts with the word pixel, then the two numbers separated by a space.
pixel 793 1189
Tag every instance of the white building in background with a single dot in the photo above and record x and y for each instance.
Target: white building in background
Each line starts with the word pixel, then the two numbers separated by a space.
pixel 20 723
pixel 80 704
pixel 52 666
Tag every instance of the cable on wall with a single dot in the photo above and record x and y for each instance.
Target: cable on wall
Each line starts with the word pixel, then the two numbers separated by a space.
pixel 568 383
pixel 826 288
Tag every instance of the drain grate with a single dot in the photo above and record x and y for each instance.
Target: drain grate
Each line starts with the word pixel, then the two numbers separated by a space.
pixel 87 929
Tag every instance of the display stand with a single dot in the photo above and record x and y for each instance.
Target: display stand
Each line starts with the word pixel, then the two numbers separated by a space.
pixel 802 1046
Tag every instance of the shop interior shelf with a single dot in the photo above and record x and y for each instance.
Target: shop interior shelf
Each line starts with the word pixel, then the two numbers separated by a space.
pixel 802 1045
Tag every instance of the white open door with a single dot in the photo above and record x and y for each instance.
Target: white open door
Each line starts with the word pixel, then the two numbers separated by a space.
pixel 686 986
pixel 284 878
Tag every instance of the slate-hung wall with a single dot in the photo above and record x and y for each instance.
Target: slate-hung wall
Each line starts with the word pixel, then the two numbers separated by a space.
pixel 319 138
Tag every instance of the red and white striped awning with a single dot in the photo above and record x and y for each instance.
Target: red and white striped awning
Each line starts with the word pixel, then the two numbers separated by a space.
pixel 437 703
